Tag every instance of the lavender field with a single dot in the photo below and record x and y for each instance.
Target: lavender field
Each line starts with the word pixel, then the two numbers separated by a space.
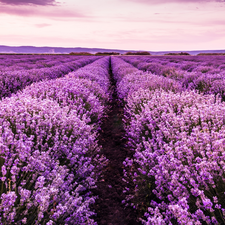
pixel 112 140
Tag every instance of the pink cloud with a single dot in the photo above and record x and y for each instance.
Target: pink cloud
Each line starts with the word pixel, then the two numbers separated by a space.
pixel 54 12
pixel 28 2
pixel 41 25
pixel 154 2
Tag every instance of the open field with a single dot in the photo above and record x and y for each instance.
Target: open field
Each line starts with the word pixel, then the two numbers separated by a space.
pixel 112 139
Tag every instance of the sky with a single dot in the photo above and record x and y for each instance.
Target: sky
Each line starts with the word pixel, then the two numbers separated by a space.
pixel 152 25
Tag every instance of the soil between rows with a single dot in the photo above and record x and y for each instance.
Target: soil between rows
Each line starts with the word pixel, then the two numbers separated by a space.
pixel 108 206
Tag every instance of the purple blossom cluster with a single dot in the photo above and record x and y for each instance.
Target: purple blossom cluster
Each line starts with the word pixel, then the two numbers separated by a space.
pixel 203 73
pixel 80 90
pixel 177 172
pixel 12 81
pixel 156 64
pixel 102 76
pixel 49 155
pixel 25 62
pixel 130 79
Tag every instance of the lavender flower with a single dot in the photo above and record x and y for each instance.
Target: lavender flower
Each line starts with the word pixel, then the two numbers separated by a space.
pixel 49 153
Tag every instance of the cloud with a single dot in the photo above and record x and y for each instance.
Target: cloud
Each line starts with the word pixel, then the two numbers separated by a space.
pixel 41 25
pixel 28 2
pixel 154 2
pixel 41 11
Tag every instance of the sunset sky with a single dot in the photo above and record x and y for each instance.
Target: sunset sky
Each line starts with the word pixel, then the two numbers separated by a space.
pixel 153 25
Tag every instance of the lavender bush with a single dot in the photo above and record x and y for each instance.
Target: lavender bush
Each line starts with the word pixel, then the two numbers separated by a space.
pixel 45 163
pixel 202 73
pixel 50 158
pixel 97 71
pixel 130 79
pixel 81 95
pixel 26 62
pixel 11 82
pixel 178 141
pixel 176 175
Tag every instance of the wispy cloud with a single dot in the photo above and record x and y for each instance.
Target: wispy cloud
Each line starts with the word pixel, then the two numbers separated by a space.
pixel 154 2
pixel 28 2
pixel 41 11
pixel 41 25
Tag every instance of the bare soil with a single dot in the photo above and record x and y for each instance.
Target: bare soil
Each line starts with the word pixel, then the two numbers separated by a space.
pixel 108 206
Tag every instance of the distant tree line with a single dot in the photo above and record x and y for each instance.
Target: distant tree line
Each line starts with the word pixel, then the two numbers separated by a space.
pixel 80 53
pixel 137 53
pixel 107 53
pixel 179 53
pixel 110 53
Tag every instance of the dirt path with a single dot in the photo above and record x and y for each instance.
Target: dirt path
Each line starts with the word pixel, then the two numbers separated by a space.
pixel 109 209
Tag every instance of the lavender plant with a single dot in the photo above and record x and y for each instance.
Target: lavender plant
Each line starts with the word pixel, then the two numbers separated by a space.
pixel 176 175
pixel 178 142
pixel 81 95
pixel 97 71
pixel 202 73
pixel 46 168
pixel 130 79
pixel 50 158
pixel 11 82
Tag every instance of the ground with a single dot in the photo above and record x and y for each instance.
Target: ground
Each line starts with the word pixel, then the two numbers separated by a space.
pixel 108 206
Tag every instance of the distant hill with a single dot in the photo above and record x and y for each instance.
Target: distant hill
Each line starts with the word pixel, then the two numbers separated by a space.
pixel 61 50
pixel 195 52
pixel 53 50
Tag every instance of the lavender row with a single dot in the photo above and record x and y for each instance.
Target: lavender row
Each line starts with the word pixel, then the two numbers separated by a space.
pixel 130 79
pixel 13 81
pixel 50 157
pixel 102 78
pixel 80 90
pixel 21 62
pixel 202 73
pixel 156 64
pixel 176 175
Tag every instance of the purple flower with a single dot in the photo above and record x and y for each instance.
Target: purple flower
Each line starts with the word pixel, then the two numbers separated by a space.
pixel 4 171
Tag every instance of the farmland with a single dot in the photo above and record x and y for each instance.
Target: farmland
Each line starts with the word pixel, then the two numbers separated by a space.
pixel 112 139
